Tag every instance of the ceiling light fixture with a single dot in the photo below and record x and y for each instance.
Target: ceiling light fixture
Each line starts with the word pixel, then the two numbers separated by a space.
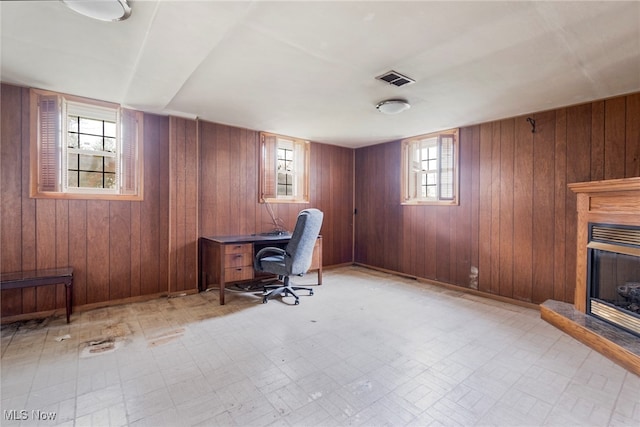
pixel 103 10
pixel 393 106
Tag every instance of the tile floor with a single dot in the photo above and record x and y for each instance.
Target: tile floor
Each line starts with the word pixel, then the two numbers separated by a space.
pixel 368 349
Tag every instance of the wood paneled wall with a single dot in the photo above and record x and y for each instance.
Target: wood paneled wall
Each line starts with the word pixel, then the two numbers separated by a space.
pixel 516 221
pixel 183 204
pixel 118 248
pixel 229 205
pixel 199 178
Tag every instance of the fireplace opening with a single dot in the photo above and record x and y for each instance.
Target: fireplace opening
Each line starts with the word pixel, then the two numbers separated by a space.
pixel 613 288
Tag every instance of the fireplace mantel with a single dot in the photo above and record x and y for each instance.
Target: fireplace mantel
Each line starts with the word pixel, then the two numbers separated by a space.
pixel 615 201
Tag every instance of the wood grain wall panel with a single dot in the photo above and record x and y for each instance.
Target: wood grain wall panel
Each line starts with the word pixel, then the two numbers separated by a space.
pixel 249 156
pixel 344 209
pixel 190 278
pixel 614 138
pixel 183 210
pixel 471 137
pixel 154 238
pixel 10 193
pixel 392 233
pixel 505 267
pixel 578 170
pixel 485 208
pixel 632 128
pixel 78 249
pixel 62 244
pixel 462 230
pixel 28 219
pixel 97 251
pixel 597 140
pixel 45 250
pixel 442 250
pixel 523 211
pixel 429 257
pixel 560 195
pixel 543 205
pixel 494 286
pixel 136 255
pixel 119 241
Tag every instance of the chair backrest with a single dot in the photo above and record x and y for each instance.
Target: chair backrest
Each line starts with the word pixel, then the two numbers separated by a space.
pixel 303 239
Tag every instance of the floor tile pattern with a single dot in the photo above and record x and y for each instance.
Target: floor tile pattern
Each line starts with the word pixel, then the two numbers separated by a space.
pixel 368 349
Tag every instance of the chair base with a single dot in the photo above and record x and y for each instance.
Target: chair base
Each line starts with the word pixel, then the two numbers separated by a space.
pixel 286 289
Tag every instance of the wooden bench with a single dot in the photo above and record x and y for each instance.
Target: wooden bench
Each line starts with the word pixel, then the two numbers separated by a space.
pixel 28 279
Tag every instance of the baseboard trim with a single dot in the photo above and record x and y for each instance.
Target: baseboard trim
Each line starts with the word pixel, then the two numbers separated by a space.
pixel 454 287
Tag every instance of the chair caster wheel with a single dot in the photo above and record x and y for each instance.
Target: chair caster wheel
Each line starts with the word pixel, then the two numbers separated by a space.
pixel 297 302
pixel 264 300
pixel 311 292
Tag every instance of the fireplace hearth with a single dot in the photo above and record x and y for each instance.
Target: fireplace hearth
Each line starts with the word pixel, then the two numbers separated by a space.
pixel 604 314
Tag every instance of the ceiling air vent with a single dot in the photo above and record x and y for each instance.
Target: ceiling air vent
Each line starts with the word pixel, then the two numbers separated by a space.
pixel 395 78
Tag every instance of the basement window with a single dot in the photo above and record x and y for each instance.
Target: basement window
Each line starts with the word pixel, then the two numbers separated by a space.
pixel 84 149
pixel 284 169
pixel 430 169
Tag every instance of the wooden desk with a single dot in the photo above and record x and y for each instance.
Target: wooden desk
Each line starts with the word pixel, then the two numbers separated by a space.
pixel 52 276
pixel 226 259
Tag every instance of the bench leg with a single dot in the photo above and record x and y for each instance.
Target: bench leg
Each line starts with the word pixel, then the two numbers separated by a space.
pixel 69 288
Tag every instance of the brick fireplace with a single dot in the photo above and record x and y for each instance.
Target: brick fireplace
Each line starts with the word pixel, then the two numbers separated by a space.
pixel 606 205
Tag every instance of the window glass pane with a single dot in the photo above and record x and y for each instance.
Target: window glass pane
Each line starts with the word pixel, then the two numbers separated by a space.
pixel 110 180
pixel 431 192
pixel 91 179
pixel 110 145
pixel 432 165
pixel 72 179
pixel 72 140
pixel 431 179
pixel 91 142
pixel 110 129
pixel 72 161
pixel 282 179
pixel 110 164
pixel 72 124
pixel 91 126
pixel 91 163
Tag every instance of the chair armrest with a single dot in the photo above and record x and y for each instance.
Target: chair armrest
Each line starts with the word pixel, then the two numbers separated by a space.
pixel 269 251
pixel 264 253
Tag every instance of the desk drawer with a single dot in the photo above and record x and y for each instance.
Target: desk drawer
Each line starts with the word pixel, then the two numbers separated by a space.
pixel 238 260
pixel 233 274
pixel 238 248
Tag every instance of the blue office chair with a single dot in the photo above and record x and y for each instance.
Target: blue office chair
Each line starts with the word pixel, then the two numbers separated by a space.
pixel 295 259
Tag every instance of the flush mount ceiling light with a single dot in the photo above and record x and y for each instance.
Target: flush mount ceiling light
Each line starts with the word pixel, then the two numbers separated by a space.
pixel 103 10
pixel 393 106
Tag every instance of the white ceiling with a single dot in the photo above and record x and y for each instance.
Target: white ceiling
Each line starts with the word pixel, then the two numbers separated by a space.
pixel 307 69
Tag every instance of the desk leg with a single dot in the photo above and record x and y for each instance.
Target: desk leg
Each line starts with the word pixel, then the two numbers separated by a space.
pixel 221 292
pixel 320 275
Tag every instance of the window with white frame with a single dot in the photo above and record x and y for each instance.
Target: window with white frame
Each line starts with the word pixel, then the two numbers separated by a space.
pixel 284 169
pixel 430 169
pixel 85 149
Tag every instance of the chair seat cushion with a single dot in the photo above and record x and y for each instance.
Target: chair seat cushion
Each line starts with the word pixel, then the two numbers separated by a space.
pixel 274 264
